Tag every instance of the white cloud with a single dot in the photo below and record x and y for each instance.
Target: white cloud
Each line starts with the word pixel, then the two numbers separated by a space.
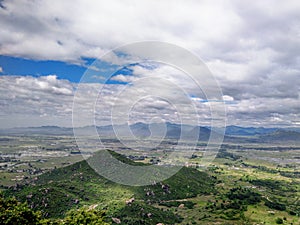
pixel 227 98
pixel 34 97
pixel 233 36
pixel 99 26
pixel 252 48
pixel 123 78
pixel 46 100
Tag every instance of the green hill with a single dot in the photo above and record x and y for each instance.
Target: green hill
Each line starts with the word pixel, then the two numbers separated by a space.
pixel 57 192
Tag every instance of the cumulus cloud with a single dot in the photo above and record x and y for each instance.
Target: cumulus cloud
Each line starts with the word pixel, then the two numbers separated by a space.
pixel 252 48
pixel 123 78
pixel 207 28
pixel 34 97
pixel 29 101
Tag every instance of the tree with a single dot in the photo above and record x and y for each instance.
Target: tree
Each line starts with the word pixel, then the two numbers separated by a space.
pixel 279 221
pixel 84 216
pixel 13 212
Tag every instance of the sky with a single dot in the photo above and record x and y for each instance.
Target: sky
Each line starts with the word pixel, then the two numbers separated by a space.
pixel 46 47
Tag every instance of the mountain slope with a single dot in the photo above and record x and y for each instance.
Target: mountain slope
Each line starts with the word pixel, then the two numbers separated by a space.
pixel 60 190
pixel 234 134
pixel 247 131
pixel 281 136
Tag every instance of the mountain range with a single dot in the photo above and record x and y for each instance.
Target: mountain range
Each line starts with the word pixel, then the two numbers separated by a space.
pixel 171 131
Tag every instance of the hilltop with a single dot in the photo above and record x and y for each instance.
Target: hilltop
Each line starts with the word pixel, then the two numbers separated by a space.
pixel 58 191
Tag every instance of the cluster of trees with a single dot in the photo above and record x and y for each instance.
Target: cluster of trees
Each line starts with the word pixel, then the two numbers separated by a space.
pixel 244 195
pixel 13 212
pixel 234 203
pixel 227 155
pixel 275 205
pixel 187 204
pixel 142 213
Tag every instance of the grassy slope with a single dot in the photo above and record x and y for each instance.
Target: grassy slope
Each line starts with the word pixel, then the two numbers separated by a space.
pixel 60 190
pixel 200 194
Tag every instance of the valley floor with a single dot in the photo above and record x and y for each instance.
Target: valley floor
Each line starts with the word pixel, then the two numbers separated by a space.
pixel 245 184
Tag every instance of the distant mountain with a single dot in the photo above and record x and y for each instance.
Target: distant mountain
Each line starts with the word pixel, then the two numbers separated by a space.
pixel 281 135
pixel 145 130
pixel 169 131
pixel 248 131
pixel 297 129
pixel 137 129
pixel 204 133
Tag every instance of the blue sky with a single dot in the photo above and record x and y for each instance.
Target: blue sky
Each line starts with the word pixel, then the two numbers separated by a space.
pixel 15 66
pixel 28 67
